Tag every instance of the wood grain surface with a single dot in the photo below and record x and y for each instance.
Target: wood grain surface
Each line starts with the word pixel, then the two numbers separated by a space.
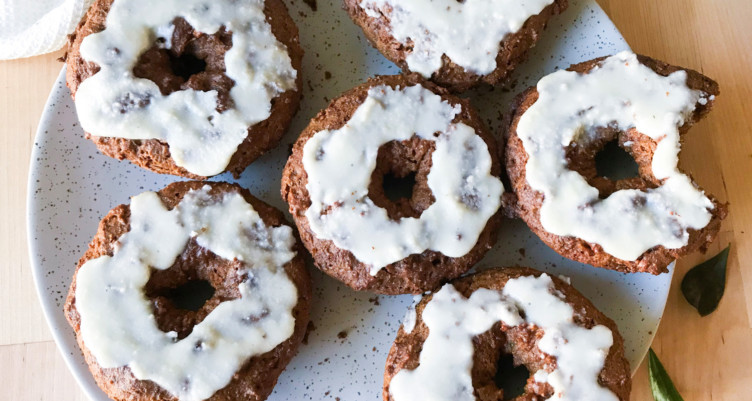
pixel 708 358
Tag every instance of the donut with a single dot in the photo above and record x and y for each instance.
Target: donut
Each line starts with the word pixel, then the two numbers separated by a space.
pixel 192 88
pixel 450 346
pixel 141 344
pixel 553 134
pixel 400 126
pixel 456 44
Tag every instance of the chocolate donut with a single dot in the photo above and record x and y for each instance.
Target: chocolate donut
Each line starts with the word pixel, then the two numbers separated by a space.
pixel 554 132
pixel 190 88
pixel 142 344
pixel 395 125
pixel 449 346
pixel 457 44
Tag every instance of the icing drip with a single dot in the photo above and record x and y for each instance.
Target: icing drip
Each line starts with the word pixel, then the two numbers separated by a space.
pixel 454 320
pixel 625 94
pixel 114 103
pixel 339 165
pixel 468 32
pixel 205 361
pixel 408 322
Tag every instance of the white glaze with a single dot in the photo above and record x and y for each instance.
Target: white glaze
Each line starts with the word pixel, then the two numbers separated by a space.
pixel 411 317
pixel 468 32
pixel 580 352
pixel 454 320
pixel 339 165
pixel 626 94
pixel 201 139
pixel 197 366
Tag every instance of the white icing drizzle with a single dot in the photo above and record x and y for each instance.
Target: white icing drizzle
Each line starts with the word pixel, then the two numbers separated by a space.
pixel 117 322
pixel 565 279
pixel 339 165
pixel 625 94
pixel 114 103
pixel 411 317
pixel 468 32
pixel 408 322
pixel 454 320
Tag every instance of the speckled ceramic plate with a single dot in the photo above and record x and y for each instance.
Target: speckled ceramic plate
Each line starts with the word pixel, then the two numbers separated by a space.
pixel 72 186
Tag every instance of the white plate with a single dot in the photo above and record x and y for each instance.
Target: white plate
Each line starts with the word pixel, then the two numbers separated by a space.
pixel 72 186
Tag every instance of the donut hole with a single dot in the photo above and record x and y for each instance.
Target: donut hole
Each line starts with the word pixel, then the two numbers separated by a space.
pixel 510 378
pixel 189 290
pixel 398 188
pixel 615 163
pixel 188 60
pixel 399 182
pixel 611 160
pixel 191 295
pixel 186 65
pixel 503 361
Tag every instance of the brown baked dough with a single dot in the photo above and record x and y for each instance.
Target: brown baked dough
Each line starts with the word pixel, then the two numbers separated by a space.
pixel 256 379
pixel 418 272
pixel 582 160
pixel 156 65
pixel 512 51
pixel 519 341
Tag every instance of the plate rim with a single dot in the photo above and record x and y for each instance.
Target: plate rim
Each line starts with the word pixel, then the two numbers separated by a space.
pixel 50 309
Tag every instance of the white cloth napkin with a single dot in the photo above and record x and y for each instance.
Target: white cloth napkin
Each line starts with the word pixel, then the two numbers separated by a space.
pixel 31 27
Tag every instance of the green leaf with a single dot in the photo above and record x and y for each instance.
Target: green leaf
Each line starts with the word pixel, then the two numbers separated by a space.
pixel 661 385
pixel 704 284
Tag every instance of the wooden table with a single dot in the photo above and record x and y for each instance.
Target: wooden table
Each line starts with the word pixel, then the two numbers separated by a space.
pixel 709 358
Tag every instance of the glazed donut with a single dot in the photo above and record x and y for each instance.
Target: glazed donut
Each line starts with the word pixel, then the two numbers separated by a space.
pixel 398 125
pixel 142 346
pixel 457 44
pixel 553 133
pixel 449 348
pixel 190 88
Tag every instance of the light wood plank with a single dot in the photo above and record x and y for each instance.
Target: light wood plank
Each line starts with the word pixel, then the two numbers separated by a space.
pixel 36 372
pixel 708 358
